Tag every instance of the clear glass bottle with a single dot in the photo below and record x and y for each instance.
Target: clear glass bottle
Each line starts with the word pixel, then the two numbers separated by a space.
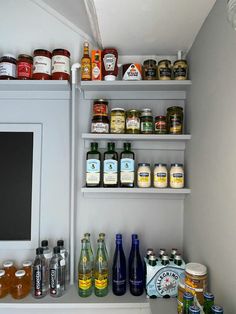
pixel 102 236
pixel 40 285
pixel 101 271
pixel 127 159
pixel 66 256
pixel 136 274
pixel 57 274
pixel 110 167
pixel 93 166
pixel 119 268
pixel 27 267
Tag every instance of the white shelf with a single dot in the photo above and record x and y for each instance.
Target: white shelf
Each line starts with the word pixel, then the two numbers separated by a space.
pixel 137 137
pixel 34 85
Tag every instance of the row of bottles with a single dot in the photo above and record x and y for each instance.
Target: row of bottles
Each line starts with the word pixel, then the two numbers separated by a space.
pixel 94 272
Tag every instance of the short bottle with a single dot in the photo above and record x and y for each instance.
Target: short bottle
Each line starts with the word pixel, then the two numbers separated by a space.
pixel 193 309
pixel 10 270
pixel 93 167
pixel 40 284
pixel 136 274
pixel 119 268
pixel 144 175
pixel 178 260
pixel 208 302
pixel 127 159
pixel 27 267
pixel 187 302
pixel 85 271
pixel 165 260
pixel 152 260
pixel 4 286
pixel 110 167
pixel 20 288
pixel 57 274
pixel 101 271
pixel 161 252
pixel 66 256
pixel 86 73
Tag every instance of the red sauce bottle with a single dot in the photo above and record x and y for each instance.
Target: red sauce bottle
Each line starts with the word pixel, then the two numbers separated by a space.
pixel 109 64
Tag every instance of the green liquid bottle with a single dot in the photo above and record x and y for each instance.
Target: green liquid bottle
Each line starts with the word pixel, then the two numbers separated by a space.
pixel 208 302
pixel 84 271
pixel 127 158
pixel 102 237
pixel 101 271
pixel 187 302
pixel 89 248
pixel 93 167
pixel 110 167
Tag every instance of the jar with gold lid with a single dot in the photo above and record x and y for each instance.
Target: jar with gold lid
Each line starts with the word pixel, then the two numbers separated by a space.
pixel 180 70
pixel 117 121
pixel 133 121
pixel 164 70
pixel 149 69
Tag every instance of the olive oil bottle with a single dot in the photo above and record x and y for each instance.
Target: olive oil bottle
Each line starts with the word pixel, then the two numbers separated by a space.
pixel 110 167
pixel 93 167
pixel 127 158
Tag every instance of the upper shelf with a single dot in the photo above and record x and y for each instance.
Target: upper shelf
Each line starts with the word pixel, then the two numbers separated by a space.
pixel 137 137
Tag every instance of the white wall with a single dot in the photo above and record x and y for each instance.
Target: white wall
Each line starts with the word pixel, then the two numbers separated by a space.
pixel 210 214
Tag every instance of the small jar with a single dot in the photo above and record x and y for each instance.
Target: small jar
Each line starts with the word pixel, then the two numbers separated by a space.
pixel 7 67
pixel 144 175
pixel 175 118
pixel 164 70
pixel 42 64
pixel 160 125
pixel 24 67
pixel 20 288
pixel 146 121
pixel 4 287
pixel 100 124
pixel 117 121
pixel 180 70
pixel 177 176
pixel 60 64
pixel 27 267
pixel 160 176
pixel 133 122
pixel 100 107
pixel 150 69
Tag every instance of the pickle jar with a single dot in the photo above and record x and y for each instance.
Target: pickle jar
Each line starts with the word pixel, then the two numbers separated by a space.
pixel 180 70
pixel 117 121
pixel 164 70
pixel 149 70
pixel 133 121
pixel 146 121
pixel 175 120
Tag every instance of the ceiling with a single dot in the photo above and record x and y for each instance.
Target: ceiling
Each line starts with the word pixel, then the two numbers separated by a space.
pixel 138 27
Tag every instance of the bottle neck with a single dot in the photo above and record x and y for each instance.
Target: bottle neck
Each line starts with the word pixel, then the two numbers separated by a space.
pixel 86 51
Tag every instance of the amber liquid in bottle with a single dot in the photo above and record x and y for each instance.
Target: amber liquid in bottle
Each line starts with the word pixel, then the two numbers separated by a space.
pixel 86 64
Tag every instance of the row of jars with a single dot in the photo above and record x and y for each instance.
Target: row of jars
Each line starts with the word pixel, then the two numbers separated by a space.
pixel 134 121
pixel 44 65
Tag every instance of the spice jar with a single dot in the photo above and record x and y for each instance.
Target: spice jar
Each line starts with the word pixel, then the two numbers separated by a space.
pixel 160 176
pixel 160 125
pixel 24 67
pixel 144 175
pixel 132 122
pixel 7 67
pixel 176 176
pixel 175 120
pixel 42 64
pixel 60 64
pixel 164 70
pixel 100 107
pixel 180 70
pixel 117 121
pixel 146 121
pixel 150 69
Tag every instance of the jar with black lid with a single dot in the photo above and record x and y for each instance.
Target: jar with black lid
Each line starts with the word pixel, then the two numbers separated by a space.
pixel 146 121
pixel 150 69
pixel 60 64
pixel 175 120
pixel 164 70
pixel 42 64
pixel 7 67
pixel 24 67
pixel 100 124
pixel 133 121
pixel 160 125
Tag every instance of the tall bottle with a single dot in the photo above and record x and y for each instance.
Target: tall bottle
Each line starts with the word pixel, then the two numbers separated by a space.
pixel 102 236
pixel 133 237
pixel 127 158
pixel 48 255
pixel 57 273
pixel 136 274
pixel 40 285
pixel 93 166
pixel 89 247
pixel 86 74
pixel 84 271
pixel 66 256
pixel 119 268
pixel 208 302
pixel 110 167
pixel 101 271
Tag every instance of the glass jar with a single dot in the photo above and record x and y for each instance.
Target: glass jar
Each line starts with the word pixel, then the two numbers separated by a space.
pixel 100 124
pixel 42 64
pixel 175 120
pixel 177 176
pixel 150 69
pixel 180 70
pixel 24 67
pixel 20 287
pixel 160 176
pixel 146 121
pixel 164 70
pixel 4 287
pixel 100 107
pixel 117 121
pixel 160 125
pixel 27 267
pixel 133 121
pixel 144 175
pixel 7 67
pixel 60 64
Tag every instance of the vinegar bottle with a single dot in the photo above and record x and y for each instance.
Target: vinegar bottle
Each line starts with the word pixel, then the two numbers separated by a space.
pixel 119 268
pixel 101 271
pixel 136 275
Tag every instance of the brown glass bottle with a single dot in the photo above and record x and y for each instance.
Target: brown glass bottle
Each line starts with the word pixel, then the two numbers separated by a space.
pixel 86 64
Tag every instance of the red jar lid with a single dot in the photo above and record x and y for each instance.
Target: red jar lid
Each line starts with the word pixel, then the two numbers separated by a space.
pixel 42 52
pixel 61 51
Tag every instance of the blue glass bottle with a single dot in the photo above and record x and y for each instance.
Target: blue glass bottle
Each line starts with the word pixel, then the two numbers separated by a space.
pixel 136 274
pixel 133 237
pixel 119 268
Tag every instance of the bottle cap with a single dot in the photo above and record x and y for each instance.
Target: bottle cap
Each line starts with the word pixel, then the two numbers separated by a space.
pixel 176 165
pixel 127 145
pixel 193 309
pixel 178 257
pixel 165 257
pixel 152 257
pixel 7 264
pixel 160 165
pixel 39 251
pixel 149 251
pixel 188 296
pixel 87 235
pixel 94 145
pixel 20 273
pixel 2 272
pixel 217 309
pixel 60 243
pixel 27 263
pixel 56 250
pixel 44 243
pixel 208 296
pixel 102 235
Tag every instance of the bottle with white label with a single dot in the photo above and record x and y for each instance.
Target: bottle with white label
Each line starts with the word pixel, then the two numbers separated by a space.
pixel 127 158
pixel 93 167
pixel 110 167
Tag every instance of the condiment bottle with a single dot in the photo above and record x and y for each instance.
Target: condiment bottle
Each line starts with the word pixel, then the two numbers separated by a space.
pixel 127 158
pixel 109 64
pixel 101 271
pixel 110 167
pixel 93 166
pixel 24 67
pixel 160 176
pixel 86 64
pixel 4 286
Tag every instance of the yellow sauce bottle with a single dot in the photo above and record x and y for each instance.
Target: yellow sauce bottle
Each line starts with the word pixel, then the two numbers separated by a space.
pixel 86 64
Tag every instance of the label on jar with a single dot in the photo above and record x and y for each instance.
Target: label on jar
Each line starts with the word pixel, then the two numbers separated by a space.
pixel 117 123
pixel 160 179
pixel 24 69
pixel 99 127
pixel 151 73
pixel 60 64
pixel 175 124
pixel 100 110
pixel 42 65
pixel 177 180
pixel 127 170
pixel 132 124
pixel 146 127
pixel 160 126
pixel 165 72
pixel 93 171
pixel 180 72
pixel 110 171
pixel 7 69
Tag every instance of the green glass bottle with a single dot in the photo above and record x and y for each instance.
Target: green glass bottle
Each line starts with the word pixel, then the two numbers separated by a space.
pixel 127 158
pixel 187 302
pixel 165 259
pixel 93 167
pixel 110 167
pixel 89 248
pixel 101 271
pixel 208 302
pixel 102 237
pixel 84 271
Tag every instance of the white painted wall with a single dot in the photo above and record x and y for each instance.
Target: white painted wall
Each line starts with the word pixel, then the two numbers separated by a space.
pixel 209 214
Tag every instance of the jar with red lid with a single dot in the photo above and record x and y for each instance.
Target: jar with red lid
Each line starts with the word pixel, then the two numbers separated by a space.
pixel 60 64
pixel 42 64
pixel 7 67
pixel 24 67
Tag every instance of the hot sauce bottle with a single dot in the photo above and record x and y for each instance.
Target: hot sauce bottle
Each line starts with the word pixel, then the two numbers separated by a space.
pixel 86 64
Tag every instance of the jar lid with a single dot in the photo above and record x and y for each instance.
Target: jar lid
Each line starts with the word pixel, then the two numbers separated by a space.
pixel 196 269
pixel 164 61
pixel 176 165
pixel 180 60
pixel 146 112
pixel 27 263
pixel 25 56
pixel 208 295
pixel 194 309
pixel 146 62
pixel 174 108
pixel 2 272
pixel 160 117
pixel 178 257
pixel 188 295
pixel 42 51
pixel 165 257
pixel 100 101
pixel 159 165
pixel 144 164
pixel 61 50
pixel 118 109
pixel 8 264
pixel 217 309
pixel 152 257
pixel 9 55
pixel 132 111
pixel 20 273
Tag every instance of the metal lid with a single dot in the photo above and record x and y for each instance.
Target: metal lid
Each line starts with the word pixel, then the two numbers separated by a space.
pixel 174 108
pixel 143 164
pixel 196 269
pixel 165 257
pixel 194 309
pixel 176 165
pixel 162 251
pixel 188 295
pixel 217 309
pixel 100 101
pixel 180 60
pixel 7 264
pixel 160 117
pixel 174 251
pixel 152 257
pixel 27 263
pixel 160 165
pixel 20 273
pixel 118 109
pixel 23 55
pixel 146 112
pixel 2 272
pixel 149 251
pixel 132 111
pixel 9 55
pixel 101 234
pixel 208 295
pixel 146 62
pixel 178 257
pixel 164 60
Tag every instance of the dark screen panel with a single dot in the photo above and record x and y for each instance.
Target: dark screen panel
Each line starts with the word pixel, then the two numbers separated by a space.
pixel 16 157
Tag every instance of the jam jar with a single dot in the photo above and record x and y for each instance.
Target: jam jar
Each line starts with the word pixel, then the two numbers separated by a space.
pixel 100 107
pixel 132 121
pixel 164 70
pixel 100 124
pixel 60 64
pixel 160 125
pixel 146 121
pixel 24 67
pixel 42 64
pixel 7 67
pixel 150 70
pixel 175 120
